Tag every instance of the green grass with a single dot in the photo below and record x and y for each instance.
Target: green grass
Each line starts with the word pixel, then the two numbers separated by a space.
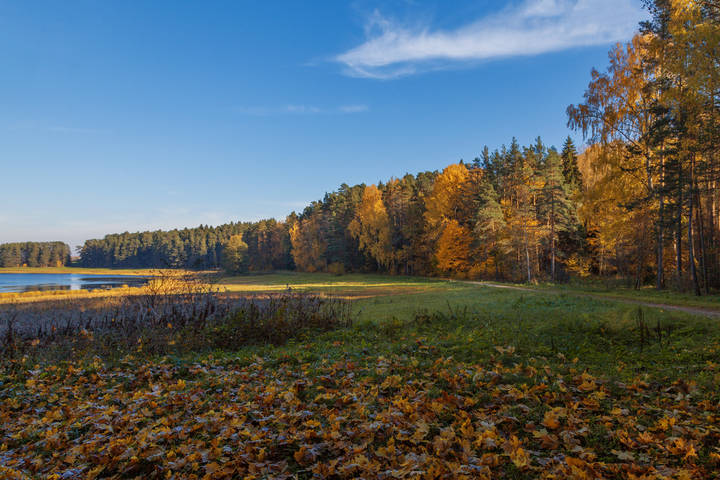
pixel 468 321
pixel 604 336
pixel 380 285
pixel 645 294
pixel 472 320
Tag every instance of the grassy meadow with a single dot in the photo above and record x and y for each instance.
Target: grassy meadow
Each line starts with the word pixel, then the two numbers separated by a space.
pixel 645 294
pixel 603 332
pixel 431 379
pixel 354 286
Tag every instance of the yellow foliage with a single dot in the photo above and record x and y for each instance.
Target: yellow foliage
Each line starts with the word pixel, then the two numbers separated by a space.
pixel 445 201
pixel 610 188
pixel 454 248
pixel 308 246
pixel 578 265
pixel 371 227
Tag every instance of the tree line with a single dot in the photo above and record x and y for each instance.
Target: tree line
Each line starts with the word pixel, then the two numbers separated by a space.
pixel 34 254
pixel 194 248
pixel 508 214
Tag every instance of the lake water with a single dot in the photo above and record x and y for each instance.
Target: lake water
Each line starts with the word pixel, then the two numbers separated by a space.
pixel 28 282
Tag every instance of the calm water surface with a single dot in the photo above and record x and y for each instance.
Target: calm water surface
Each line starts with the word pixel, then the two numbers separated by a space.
pixel 28 282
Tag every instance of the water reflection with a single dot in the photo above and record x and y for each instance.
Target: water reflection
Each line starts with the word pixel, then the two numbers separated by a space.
pixel 33 282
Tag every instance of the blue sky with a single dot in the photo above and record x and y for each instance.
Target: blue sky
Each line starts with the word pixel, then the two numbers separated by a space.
pixel 120 115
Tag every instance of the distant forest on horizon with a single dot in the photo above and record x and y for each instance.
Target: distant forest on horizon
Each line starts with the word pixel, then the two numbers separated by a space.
pixel 34 254
pixel 641 203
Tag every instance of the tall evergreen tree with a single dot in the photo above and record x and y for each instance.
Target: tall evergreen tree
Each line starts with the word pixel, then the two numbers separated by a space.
pixel 570 169
pixel 556 208
pixel 490 229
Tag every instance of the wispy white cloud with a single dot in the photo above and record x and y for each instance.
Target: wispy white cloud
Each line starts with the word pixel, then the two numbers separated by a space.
pixel 530 27
pixel 303 110
pixel 354 108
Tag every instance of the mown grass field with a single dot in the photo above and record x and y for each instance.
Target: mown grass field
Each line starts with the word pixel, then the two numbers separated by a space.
pixel 433 380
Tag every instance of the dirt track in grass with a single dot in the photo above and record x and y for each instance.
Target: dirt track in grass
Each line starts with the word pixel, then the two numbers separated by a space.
pixel 706 312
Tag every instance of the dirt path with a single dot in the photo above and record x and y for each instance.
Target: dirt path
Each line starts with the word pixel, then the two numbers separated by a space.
pixel 706 312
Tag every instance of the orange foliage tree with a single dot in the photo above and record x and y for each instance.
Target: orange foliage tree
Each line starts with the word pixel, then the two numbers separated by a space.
pixel 371 227
pixel 453 250
pixel 448 217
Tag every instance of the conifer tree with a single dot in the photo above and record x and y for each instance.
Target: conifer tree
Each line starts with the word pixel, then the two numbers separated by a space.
pixel 556 207
pixel 570 169
pixel 490 229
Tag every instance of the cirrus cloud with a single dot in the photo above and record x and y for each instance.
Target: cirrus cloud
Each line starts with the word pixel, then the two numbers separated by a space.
pixel 532 27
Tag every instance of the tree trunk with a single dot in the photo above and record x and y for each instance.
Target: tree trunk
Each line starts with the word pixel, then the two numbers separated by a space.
pixel 641 261
pixel 701 232
pixel 660 280
pixel 712 228
pixel 714 233
pixel 691 245
pixel 527 256
pixel 552 241
pixel 678 236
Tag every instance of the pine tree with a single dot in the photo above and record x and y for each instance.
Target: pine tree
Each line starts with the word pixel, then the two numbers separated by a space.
pixel 556 208
pixel 490 229
pixel 570 169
